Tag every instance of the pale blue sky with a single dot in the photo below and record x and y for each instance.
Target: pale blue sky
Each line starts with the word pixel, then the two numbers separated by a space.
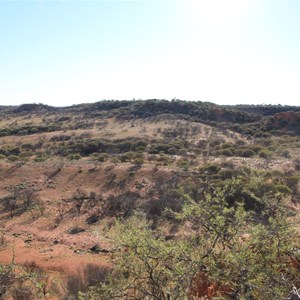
pixel 227 52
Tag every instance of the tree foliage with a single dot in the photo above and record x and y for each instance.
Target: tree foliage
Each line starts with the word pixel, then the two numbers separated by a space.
pixel 223 253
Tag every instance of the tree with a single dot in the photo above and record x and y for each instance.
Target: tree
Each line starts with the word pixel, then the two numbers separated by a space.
pixel 225 253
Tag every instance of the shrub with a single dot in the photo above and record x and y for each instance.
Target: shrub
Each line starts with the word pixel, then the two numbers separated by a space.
pixel 265 153
pixel 138 161
pixel 13 158
pixel 172 151
pixel 124 157
pixel 181 152
pixel 247 153
pixel 229 173
pixel 75 230
pixel 85 277
pixel 210 169
pixel 10 150
pixel 124 146
pixel 102 157
pixel 283 189
pixel 140 144
pixel 171 201
pixel 226 152
pixel 148 266
pixel 74 156
pixel 297 164
pixel 121 205
pixel 40 159
pixel 286 153
pixel 140 149
pixel 183 163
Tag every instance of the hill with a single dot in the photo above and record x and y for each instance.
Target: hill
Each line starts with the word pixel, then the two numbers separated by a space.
pixel 180 175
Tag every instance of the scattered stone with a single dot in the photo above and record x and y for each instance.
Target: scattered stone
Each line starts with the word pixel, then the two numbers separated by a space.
pixel 79 251
pixel 75 230
pixel 95 249
pixel 46 250
pixel 92 219
pixel 98 249
pixel 169 237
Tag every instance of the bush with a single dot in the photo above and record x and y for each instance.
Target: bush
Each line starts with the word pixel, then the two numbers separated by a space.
pixel 40 159
pixel 13 158
pixel 74 156
pixel 229 173
pixel 85 277
pixel 10 150
pixel 124 157
pixel 138 161
pixel 225 152
pixel 75 230
pixel 171 201
pixel 265 153
pixel 286 153
pixel 102 157
pixel 140 149
pixel 172 151
pixel 149 266
pixel 122 205
pixel 183 163
pixel 140 144
pixel 210 169
pixel 247 153
pixel 297 164
pixel 181 152
pixel 283 189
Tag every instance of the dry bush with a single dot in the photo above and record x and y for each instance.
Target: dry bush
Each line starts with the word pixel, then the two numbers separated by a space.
pixel 21 292
pixel 86 276
pixel 121 205
pixel 2 240
pixel 61 211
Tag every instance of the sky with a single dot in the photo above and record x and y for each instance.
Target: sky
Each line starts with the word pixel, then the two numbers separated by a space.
pixel 228 52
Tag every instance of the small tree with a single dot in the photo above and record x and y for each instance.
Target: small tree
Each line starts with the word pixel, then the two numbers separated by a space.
pixel 78 199
pixel 225 253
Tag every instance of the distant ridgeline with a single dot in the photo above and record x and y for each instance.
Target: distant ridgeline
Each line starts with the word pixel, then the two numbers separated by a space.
pixel 253 120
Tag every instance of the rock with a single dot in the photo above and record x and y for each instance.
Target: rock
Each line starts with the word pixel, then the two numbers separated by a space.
pixel 98 249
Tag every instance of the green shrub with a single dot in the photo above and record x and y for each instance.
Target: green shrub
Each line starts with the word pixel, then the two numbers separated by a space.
pixel 74 156
pixel 138 161
pixel 286 153
pixel 210 169
pixel 283 189
pixel 225 152
pixel 124 157
pixel 40 159
pixel 163 159
pixel 102 157
pixel 229 173
pixel 247 153
pixel 140 144
pixel 140 149
pixel 124 146
pixel 181 152
pixel 265 153
pixel 10 150
pixel 13 158
pixel 172 151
